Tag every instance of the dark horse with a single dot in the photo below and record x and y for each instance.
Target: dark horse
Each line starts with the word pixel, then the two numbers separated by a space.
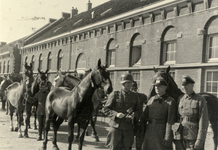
pixel 69 81
pixel 75 105
pixel 175 92
pixel 15 96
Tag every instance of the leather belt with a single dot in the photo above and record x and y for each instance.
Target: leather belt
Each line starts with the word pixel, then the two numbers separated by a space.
pixel 190 119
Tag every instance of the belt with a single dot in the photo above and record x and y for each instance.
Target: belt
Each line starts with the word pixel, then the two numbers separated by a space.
pixel 190 119
pixel 156 121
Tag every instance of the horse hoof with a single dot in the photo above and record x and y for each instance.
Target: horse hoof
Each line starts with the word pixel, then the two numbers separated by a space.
pixel 42 148
pixel 55 148
pixel 12 129
pixel 20 136
pixel 35 128
pixel 96 139
pixel 16 129
pixel 29 127
pixel 26 136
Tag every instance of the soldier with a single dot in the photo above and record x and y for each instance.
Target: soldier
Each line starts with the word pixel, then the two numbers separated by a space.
pixel 41 98
pixel 121 108
pixel 139 127
pixel 193 117
pixel 160 113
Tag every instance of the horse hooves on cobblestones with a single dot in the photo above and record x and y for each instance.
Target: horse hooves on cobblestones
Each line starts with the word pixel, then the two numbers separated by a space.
pixel 12 129
pixel 20 136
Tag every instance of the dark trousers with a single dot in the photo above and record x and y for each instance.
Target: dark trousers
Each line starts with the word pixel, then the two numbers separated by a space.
pixel 185 145
pixel 121 139
pixel 41 120
pixel 139 133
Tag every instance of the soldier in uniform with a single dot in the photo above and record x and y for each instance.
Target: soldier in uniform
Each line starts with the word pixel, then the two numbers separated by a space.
pixel 139 127
pixel 160 113
pixel 41 98
pixel 121 108
pixel 193 115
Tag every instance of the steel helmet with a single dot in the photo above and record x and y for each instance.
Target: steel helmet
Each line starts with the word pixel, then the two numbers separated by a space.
pixel 126 78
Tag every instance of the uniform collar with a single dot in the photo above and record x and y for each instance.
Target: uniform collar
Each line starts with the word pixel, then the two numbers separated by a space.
pixel 161 98
pixel 190 95
pixel 125 93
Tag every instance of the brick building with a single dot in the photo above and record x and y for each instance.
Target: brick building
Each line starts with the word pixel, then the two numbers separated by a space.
pixel 10 57
pixel 133 36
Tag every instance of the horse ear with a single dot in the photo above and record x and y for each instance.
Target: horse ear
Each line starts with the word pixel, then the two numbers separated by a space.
pixel 155 70
pixel 39 71
pixel 168 69
pixel 99 63
pixel 31 65
pixel 25 65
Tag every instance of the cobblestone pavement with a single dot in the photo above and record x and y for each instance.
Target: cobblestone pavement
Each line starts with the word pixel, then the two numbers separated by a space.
pixel 10 141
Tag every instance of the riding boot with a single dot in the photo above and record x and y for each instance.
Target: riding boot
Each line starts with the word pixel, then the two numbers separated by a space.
pixel 3 104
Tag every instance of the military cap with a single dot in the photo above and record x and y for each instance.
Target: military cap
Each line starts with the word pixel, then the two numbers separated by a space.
pixel 186 80
pixel 160 81
pixel 126 78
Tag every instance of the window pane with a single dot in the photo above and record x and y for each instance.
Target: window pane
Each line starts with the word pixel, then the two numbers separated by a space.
pixel 215 76
pixel 209 76
pixel 208 88
pixel 214 87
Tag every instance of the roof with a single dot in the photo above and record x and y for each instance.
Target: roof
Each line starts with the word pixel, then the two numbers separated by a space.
pixel 101 12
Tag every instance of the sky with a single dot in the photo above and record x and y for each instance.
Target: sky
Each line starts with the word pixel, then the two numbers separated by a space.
pixel 20 18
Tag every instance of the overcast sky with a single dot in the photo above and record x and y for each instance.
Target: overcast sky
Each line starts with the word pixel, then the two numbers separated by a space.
pixel 19 18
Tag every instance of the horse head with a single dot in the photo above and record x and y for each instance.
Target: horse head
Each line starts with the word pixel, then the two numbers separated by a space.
pixel 4 84
pixel 101 78
pixel 66 80
pixel 172 88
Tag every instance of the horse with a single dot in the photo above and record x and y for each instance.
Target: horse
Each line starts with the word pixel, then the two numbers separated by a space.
pixel 175 92
pixel 4 84
pixel 69 81
pixel 75 105
pixel 15 97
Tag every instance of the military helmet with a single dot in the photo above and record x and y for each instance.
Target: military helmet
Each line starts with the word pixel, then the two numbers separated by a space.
pixel 126 78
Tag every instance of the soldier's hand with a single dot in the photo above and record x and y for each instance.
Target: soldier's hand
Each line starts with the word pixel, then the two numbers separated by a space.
pixel 198 144
pixel 120 115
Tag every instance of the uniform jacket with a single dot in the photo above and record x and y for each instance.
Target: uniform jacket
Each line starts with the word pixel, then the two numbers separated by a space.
pixel 118 102
pixel 194 116
pixel 142 103
pixel 41 98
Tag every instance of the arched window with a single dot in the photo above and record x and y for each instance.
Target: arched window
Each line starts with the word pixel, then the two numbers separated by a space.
pixel 135 50
pixel 168 46
pixel 111 49
pixel 49 61
pixel 33 62
pixel 8 66
pixel 40 62
pixel 81 65
pixel 211 37
pixel 59 62
pixel 4 67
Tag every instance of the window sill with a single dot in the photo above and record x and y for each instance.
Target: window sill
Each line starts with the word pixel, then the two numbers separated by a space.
pixel 212 60
pixel 169 62
pixel 111 66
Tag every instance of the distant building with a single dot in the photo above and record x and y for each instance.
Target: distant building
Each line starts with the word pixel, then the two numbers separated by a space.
pixel 133 36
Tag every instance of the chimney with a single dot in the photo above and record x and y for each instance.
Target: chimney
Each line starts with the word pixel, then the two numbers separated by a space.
pixel 65 15
pixel 89 5
pixel 74 12
pixel 2 43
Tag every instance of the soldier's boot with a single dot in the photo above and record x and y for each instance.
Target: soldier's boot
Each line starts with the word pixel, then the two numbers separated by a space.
pixel 39 133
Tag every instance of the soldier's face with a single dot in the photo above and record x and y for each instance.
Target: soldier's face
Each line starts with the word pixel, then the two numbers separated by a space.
pixel 160 89
pixel 127 86
pixel 188 88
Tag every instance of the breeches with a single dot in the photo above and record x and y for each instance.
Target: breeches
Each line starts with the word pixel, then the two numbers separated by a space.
pixel 121 139
pixel 185 145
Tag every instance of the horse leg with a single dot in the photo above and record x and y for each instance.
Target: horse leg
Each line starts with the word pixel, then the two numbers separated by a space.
pixel 11 120
pixel 19 114
pixel 47 126
pixel 56 125
pixel 7 106
pixel 27 119
pixel 78 133
pixel 70 132
pixel 94 133
pixel 35 118
pixel 215 133
pixel 82 136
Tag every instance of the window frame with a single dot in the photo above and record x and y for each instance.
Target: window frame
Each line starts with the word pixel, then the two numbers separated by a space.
pixel 205 81
pixel 208 48
pixel 164 54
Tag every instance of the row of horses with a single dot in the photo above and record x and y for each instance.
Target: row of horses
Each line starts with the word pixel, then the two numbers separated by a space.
pixel 76 100
pixel 69 99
